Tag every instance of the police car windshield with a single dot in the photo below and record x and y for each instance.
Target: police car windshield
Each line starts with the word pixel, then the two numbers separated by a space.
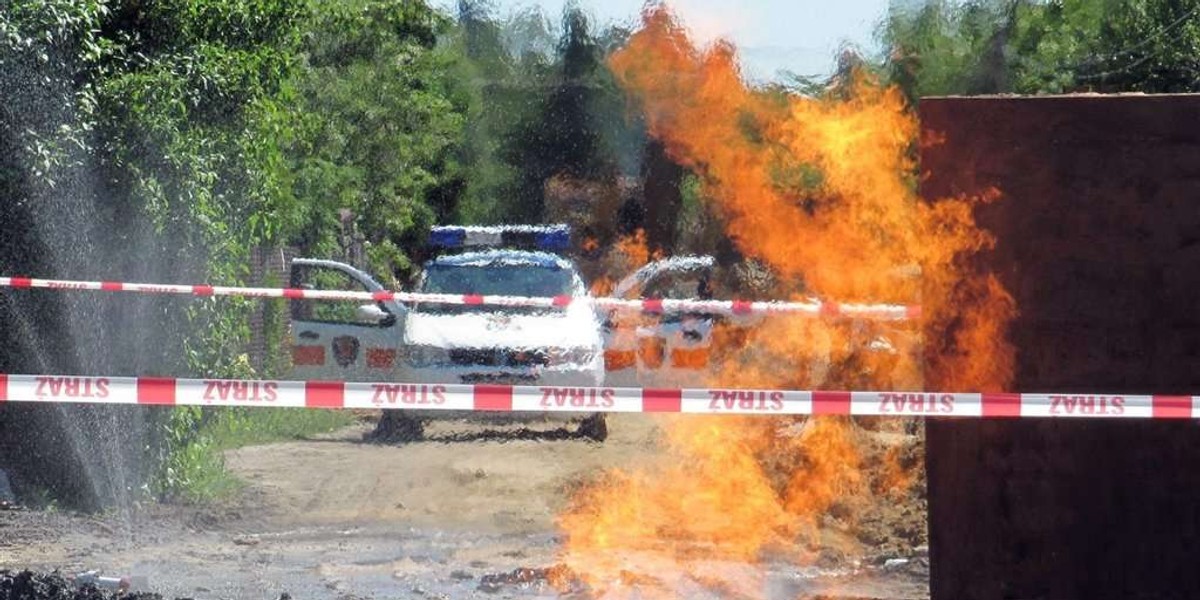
pixel 496 279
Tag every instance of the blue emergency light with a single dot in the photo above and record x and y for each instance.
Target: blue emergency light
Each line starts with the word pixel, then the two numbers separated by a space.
pixel 550 238
pixel 447 237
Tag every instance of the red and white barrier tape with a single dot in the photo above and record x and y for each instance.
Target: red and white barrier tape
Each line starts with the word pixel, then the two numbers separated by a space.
pixel 430 396
pixel 890 312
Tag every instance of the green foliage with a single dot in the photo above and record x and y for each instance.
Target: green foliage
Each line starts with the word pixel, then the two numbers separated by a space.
pixel 561 136
pixel 1145 46
pixel 144 116
pixel 213 127
pixel 194 470
pixel 178 108
pixel 697 229
pixel 353 114
pixel 941 47
pixel 370 126
pixel 237 427
pixel 276 349
pixel 538 108
pixel 500 77
pixel 1031 47
pixel 47 45
pixel 202 129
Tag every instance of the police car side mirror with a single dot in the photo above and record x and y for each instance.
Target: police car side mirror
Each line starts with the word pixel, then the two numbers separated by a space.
pixel 372 314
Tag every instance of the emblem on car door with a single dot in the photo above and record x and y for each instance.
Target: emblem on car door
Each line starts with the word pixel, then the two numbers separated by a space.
pixel 345 350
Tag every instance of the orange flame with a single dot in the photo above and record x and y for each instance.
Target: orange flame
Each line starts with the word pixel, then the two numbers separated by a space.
pixel 627 254
pixel 819 189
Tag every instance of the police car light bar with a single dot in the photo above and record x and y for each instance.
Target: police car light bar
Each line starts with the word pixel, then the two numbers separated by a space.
pixel 551 238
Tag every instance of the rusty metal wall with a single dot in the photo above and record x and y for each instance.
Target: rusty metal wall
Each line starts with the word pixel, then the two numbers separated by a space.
pixel 1099 242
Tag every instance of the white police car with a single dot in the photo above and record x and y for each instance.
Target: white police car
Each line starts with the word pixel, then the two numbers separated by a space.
pixel 453 342
pixel 513 344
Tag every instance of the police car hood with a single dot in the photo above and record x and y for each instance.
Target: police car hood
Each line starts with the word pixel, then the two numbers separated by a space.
pixel 574 327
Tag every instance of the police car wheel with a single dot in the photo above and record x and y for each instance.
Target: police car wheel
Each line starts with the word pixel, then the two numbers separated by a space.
pixel 594 427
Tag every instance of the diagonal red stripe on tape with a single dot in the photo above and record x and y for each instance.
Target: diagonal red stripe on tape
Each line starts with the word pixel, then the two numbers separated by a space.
pixel 324 394
pixel 202 290
pixel 155 390
pixel 662 400
pixel 472 299
pixel 381 296
pixel 21 282
pixel 1001 405
pixel 652 306
pixel 831 403
pixel 293 293
pixel 3 387
pixel 1172 407
pixel 561 301
pixel 493 397
pixel 741 307
pixel 111 286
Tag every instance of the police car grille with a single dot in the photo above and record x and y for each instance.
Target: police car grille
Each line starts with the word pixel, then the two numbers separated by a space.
pixel 488 357
pixel 525 358
pixel 474 357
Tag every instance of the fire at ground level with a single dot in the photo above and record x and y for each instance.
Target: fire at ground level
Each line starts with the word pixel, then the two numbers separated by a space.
pixel 338 518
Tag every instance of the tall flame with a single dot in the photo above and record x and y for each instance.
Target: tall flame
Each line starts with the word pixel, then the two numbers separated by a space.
pixel 821 190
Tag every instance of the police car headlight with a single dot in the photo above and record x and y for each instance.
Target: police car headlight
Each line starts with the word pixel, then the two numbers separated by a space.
pixel 571 356
pixel 426 356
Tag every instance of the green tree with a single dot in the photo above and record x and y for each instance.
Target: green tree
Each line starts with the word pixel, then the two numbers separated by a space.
pixel 370 123
pixel 133 127
pixel 541 105
pixel 1111 46
pixel 496 87
pixel 1023 46
pixel 128 131
pixel 563 136
pixel 943 47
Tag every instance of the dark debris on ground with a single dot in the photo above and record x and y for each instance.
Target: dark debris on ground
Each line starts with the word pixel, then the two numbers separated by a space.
pixel 27 585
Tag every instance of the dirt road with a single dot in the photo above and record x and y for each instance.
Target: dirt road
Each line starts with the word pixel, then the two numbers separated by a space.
pixel 338 518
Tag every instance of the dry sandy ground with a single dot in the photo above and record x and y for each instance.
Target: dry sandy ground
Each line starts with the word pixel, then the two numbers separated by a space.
pixel 338 518
pixel 489 486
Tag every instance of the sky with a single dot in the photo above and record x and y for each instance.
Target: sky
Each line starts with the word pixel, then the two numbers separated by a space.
pixel 801 36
